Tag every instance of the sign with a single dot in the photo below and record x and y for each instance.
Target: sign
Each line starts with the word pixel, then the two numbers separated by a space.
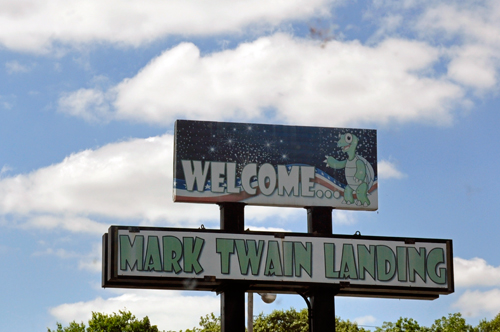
pixel 258 164
pixel 166 258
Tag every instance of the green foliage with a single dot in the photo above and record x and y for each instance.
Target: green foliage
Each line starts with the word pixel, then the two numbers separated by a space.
pixel 402 325
pixel 347 326
pixel 73 327
pixel 452 323
pixel 491 326
pixel 282 321
pixel 209 323
pixel 122 322
pixel 278 321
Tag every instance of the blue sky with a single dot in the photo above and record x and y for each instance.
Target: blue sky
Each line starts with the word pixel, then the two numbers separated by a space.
pixel 89 92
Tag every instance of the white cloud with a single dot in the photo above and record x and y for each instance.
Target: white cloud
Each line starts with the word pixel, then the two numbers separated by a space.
pixel 169 310
pixel 365 320
pixel 405 4
pixel 286 215
pixel 300 81
pixel 475 272
pixel 343 217
pixel 258 214
pixel 90 261
pixel 130 180
pixel 467 31
pixel 70 223
pixel 93 260
pixel 476 303
pixel 266 229
pixel 475 21
pixel 475 62
pixel 16 67
pixel 126 182
pixel 5 169
pixel 7 102
pixel 474 65
pixel 388 170
pixel 35 25
pixel 61 253
pixel 89 104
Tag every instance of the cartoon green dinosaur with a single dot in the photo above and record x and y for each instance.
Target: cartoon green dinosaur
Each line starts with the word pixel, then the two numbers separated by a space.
pixel 358 171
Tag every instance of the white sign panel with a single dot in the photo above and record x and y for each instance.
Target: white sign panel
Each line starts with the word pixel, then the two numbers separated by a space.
pixel 377 263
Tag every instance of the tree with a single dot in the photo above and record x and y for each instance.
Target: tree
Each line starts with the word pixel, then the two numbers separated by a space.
pixel 402 325
pixel 296 321
pixel 73 327
pixel 277 321
pixel 282 321
pixel 209 323
pixel 347 326
pixel 122 322
pixel 452 323
pixel 491 326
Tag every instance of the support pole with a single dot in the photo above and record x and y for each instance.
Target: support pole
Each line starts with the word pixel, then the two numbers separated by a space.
pixel 232 219
pixel 323 306
pixel 319 222
pixel 232 307
pixel 250 312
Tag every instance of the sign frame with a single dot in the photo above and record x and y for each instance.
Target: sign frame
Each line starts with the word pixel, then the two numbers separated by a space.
pixel 275 165
pixel 111 277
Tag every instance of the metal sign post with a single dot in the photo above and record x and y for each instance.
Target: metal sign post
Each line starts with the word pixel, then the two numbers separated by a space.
pixel 232 304
pixel 319 222
pixel 250 312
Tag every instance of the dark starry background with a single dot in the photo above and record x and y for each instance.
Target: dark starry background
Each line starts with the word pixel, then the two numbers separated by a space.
pixel 246 143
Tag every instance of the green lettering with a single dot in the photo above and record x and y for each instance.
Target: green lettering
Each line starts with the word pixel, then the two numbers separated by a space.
pixel 131 254
pixel 416 263
pixel 249 255
pixel 348 263
pixel 225 247
pixel 303 258
pixel 329 249
pixel 434 259
pixel 273 260
pixel 402 263
pixel 386 263
pixel 366 261
pixel 172 254
pixel 192 253
pixel 153 258
pixel 288 258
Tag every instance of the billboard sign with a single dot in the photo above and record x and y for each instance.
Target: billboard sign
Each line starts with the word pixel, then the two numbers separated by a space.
pixel 166 258
pixel 276 165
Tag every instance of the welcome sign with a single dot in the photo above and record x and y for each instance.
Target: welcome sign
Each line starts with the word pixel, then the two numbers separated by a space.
pixel 202 260
pixel 259 164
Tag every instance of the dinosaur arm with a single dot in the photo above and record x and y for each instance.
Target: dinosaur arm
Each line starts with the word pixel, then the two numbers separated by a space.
pixel 334 163
pixel 360 170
